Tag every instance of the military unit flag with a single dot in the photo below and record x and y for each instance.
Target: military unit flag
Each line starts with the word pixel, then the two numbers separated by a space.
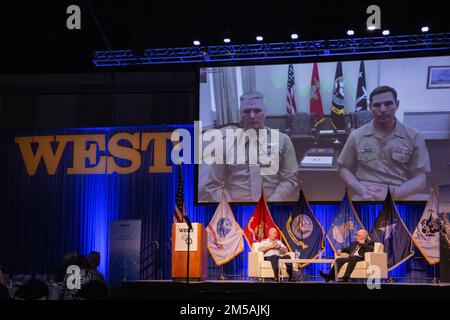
pixel 260 223
pixel 315 100
pixel 302 231
pixel 344 226
pixel 390 230
pixel 224 234
pixel 337 103
pixel 361 91
pixel 426 236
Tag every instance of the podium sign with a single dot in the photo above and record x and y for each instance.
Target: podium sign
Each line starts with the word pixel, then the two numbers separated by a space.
pixel 197 252
pixel 181 237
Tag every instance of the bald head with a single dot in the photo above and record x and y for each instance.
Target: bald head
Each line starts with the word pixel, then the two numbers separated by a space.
pixel 273 233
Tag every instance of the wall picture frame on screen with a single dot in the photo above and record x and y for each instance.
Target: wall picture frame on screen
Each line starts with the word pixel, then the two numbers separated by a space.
pixel 438 77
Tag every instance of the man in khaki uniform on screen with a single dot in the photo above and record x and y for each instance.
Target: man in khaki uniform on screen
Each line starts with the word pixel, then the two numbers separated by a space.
pixel 243 182
pixel 385 151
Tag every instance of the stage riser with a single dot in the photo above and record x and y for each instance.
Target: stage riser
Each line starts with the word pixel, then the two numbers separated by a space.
pixel 162 290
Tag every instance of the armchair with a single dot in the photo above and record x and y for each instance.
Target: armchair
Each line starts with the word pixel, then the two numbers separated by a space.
pixel 376 258
pixel 300 128
pixel 259 268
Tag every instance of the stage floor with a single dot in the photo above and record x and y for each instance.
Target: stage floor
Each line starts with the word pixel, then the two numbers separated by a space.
pixel 244 290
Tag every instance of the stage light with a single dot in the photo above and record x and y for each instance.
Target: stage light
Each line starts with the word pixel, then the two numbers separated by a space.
pixel 371 28
pixel 425 29
pixel 350 32
pixel 227 40
pixel 386 32
pixel 196 43
pixel 259 38
pixel 294 36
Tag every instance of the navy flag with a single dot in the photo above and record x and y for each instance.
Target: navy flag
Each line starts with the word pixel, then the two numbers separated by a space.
pixel 337 104
pixel 302 232
pixel 390 230
pixel 345 225
pixel 361 91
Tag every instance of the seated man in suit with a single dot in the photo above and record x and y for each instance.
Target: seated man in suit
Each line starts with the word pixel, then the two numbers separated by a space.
pixel 356 251
pixel 275 250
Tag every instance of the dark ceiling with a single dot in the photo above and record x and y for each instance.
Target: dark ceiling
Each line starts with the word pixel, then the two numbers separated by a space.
pixel 35 38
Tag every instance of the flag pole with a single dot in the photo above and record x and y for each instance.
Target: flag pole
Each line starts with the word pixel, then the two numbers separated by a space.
pixel 389 183
pixel 434 281
pixel 391 279
pixel 433 190
pixel 221 277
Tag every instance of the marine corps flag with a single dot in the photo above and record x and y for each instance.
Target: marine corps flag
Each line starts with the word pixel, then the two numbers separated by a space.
pixel 390 230
pixel 258 227
pixel 315 100
pixel 426 235
pixel 345 225
pixel 361 91
pixel 337 103
pixel 303 232
pixel 224 234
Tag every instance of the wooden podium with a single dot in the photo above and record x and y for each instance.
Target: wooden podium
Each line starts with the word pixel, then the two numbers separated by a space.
pixel 197 252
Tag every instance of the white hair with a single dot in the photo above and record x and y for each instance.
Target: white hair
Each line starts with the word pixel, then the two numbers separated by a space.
pixel 366 234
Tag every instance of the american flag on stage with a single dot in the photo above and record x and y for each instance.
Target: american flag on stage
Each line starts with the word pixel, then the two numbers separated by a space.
pixel 291 107
pixel 179 211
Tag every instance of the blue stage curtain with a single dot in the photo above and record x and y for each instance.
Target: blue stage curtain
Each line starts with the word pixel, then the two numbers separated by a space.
pixel 42 217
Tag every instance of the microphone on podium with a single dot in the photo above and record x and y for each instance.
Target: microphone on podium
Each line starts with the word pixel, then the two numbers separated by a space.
pixel 188 221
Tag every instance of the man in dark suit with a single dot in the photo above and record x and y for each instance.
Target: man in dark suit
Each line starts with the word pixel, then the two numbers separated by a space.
pixel 356 251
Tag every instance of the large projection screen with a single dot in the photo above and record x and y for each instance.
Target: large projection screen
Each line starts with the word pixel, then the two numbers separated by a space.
pixel 365 144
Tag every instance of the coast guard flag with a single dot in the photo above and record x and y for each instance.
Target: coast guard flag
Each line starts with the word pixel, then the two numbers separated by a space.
pixel 315 100
pixel 390 230
pixel 337 103
pixel 345 225
pixel 224 234
pixel 260 223
pixel 426 235
pixel 302 232
pixel 361 91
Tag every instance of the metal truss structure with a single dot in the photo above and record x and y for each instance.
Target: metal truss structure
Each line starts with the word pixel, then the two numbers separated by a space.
pixel 268 51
